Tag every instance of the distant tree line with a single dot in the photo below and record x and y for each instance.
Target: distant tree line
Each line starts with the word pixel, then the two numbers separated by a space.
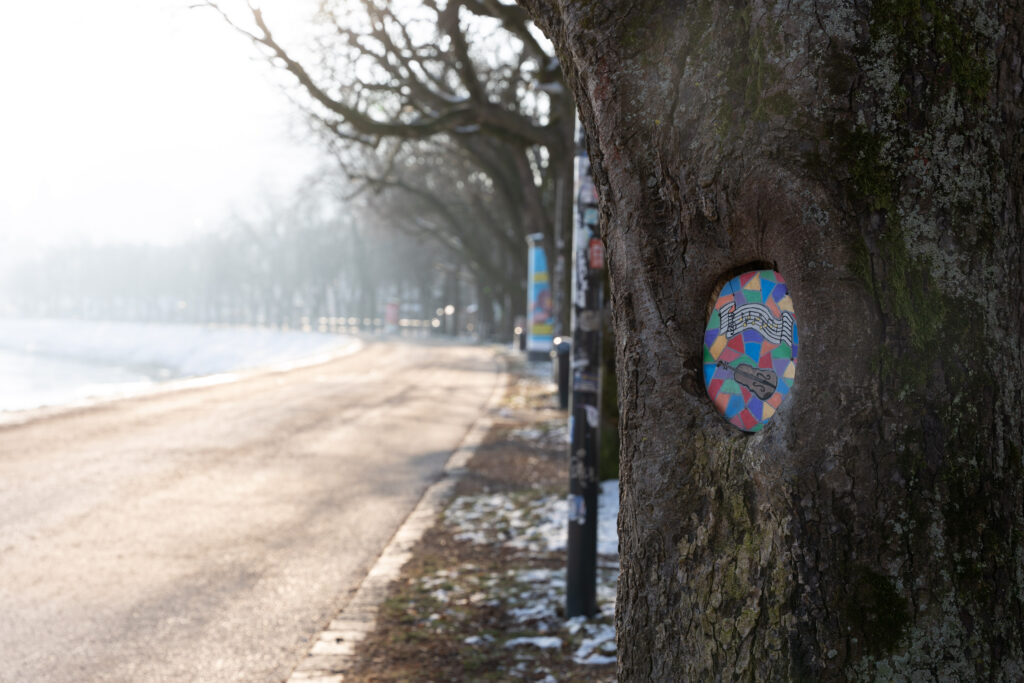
pixel 295 266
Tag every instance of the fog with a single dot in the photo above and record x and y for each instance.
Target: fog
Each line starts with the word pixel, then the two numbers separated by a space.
pixel 296 266
pixel 146 123
pixel 155 169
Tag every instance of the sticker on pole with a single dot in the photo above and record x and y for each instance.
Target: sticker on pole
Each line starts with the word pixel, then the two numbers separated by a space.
pixel 750 349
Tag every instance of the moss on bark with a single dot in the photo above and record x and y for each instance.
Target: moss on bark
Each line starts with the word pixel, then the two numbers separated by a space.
pixel 866 150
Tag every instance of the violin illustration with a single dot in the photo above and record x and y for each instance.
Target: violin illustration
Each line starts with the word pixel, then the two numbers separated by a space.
pixel 762 382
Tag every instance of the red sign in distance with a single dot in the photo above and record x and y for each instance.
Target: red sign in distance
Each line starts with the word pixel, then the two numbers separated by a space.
pixel 595 252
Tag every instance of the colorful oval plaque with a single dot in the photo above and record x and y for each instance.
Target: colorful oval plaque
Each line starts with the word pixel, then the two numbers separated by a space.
pixel 750 349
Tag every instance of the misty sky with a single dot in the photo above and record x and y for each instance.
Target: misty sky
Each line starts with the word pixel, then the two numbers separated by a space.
pixel 138 120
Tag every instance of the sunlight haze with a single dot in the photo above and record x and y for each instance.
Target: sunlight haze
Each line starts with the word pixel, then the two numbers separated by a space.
pixel 138 122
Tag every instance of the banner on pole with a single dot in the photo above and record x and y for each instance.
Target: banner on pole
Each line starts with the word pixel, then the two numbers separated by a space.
pixel 541 318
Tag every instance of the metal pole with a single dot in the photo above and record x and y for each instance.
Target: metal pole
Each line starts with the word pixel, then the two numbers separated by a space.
pixel 587 285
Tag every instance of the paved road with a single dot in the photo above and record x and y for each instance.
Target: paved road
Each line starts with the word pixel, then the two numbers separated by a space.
pixel 207 534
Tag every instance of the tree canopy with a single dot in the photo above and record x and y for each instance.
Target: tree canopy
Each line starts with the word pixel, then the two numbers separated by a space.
pixel 459 105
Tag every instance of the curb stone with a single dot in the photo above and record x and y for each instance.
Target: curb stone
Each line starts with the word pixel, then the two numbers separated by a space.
pixel 334 649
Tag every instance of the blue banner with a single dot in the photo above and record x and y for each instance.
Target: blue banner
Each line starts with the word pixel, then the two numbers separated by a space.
pixel 541 314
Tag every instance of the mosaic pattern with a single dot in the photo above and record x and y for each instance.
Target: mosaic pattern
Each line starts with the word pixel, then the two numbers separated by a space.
pixel 750 349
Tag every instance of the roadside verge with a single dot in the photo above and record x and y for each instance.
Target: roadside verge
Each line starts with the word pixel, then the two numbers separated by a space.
pixel 334 650
pixel 473 585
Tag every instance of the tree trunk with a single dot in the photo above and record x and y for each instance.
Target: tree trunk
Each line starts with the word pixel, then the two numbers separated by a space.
pixel 871 153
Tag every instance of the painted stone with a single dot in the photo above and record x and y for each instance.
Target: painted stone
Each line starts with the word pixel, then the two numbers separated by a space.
pixel 750 348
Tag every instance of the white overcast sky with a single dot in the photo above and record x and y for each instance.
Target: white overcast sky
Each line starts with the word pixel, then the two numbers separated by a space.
pixel 137 121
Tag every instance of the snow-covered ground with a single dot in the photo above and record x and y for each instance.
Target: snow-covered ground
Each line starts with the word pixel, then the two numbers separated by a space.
pixel 539 524
pixel 51 362
pixel 528 522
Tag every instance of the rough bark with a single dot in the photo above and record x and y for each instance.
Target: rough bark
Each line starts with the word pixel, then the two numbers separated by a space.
pixel 871 153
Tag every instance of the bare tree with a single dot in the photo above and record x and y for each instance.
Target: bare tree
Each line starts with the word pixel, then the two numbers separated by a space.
pixel 473 76
pixel 440 195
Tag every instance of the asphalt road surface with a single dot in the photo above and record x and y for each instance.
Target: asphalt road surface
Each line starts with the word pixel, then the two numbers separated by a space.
pixel 208 534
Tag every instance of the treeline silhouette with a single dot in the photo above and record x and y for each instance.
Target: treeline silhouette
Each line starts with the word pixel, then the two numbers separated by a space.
pixel 321 273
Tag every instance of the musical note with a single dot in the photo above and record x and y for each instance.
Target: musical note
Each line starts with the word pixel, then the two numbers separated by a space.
pixel 757 317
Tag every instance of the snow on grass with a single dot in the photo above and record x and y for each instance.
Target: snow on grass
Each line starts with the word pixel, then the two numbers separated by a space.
pixel 521 521
pixel 552 433
pixel 537 596
pixel 532 522
pixel 598 645
pixel 534 598
pixel 477 640
pixel 543 642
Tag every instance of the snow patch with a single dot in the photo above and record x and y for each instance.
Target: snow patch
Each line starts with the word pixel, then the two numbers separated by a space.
pixel 54 362
pixel 536 524
pixel 600 639
pixel 535 598
pixel 184 350
pixel 543 642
